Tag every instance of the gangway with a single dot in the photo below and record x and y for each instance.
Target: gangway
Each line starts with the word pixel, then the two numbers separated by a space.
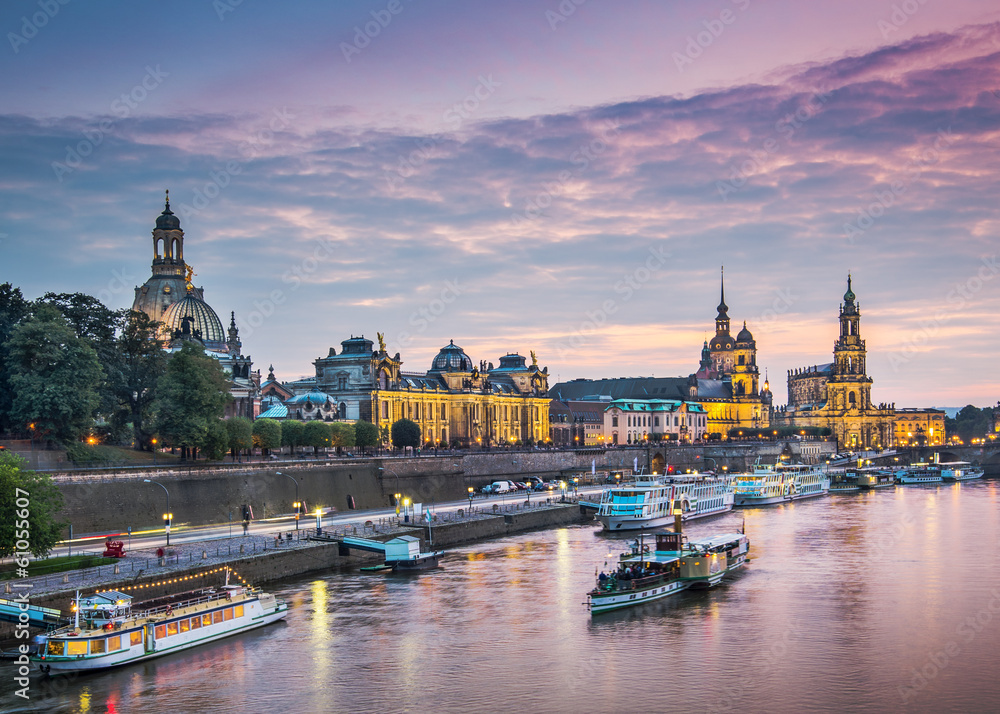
pixel 44 617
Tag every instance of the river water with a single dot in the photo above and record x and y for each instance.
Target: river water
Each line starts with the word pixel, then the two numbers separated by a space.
pixel 867 602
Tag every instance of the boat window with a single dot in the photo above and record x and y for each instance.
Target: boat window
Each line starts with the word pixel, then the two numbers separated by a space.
pixel 97 646
pixel 76 647
pixel 161 631
pixel 114 643
pixel 239 610
pixel 171 628
pixel 135 637
pixel 56 647
pixel 185 625
pixel 229 613
pixel 195 623
pixel 206 620
pixel 217 616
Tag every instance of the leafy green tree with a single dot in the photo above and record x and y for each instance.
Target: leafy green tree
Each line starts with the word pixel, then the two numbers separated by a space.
pixel 29 502
pixel 365 434
pixel 383 434
pixel 342 435
pixel 240 431
pixel 267 435
pixel 13 309
pixel 971 423
pixel 405 432
pixel 217 441
pixel 292 434
pixel 53 375
pixel 191 394
pixel 317 435
pixel 141 363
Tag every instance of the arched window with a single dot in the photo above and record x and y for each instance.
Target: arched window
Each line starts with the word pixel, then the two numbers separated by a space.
pixel 851 399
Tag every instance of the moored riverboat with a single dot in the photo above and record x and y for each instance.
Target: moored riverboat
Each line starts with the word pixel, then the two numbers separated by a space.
pixel 919 473
pixel 107 633
pixel 768 484
pixel 959 471
pixel 650 502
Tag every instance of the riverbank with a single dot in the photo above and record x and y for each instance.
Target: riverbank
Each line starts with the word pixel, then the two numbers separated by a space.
pixel 259 559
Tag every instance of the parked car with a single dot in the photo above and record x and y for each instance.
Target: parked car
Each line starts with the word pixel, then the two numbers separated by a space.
pixel 520 485
pixel 500 487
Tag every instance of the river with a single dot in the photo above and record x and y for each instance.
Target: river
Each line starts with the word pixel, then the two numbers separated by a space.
pixel 866 602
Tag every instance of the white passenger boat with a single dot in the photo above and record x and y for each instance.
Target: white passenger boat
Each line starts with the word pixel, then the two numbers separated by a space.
pixel 643 575
pixel 107 633
pixel 919 473
pixel 959 471
pixel 649 501
pixel 780 483
pixel 873 477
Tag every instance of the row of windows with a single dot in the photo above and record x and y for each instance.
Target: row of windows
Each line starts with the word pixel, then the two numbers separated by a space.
pixel 101 645
pixel 193 623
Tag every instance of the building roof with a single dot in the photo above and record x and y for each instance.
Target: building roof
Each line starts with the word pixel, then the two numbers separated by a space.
pixel 314 397
pixel 622 388
pixel 204 323
pixel 278 411
pixel 451 358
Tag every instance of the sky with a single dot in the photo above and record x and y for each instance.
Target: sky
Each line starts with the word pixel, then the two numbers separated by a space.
pixel 563 177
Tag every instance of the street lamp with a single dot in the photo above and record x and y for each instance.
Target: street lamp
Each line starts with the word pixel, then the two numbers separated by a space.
pixel 471 493
pixel 319 521
pixel 154 451
pixel 298 503
pixel 168 516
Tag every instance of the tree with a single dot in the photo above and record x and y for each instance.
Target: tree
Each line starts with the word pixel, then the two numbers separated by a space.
pixel 191 394
pixel 141 363
pixel 240 431
pixel 972 423
pixel 405 432
pixel 217 441
pixel 291 434
pixel 29 503
pixel 365 434
pixel 13 309
pixel 342 435
pixel 317 435
pixel 267 435
pixel 53 375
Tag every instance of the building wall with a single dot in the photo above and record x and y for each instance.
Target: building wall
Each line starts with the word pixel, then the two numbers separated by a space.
pixel 919 427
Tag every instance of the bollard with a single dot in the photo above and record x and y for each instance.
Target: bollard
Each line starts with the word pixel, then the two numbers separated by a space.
pixel 116 569
pixel 204 554
pixel 242 547
pixel 66 578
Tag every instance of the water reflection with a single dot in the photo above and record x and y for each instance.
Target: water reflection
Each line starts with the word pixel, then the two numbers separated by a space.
pixel 858 602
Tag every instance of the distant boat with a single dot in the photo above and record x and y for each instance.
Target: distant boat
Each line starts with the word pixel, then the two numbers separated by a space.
pixel 919 473
pixel 778 484
pixel 649 501
pixel 959 471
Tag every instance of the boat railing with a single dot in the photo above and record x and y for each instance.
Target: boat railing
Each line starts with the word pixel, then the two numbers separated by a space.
pixel 172 607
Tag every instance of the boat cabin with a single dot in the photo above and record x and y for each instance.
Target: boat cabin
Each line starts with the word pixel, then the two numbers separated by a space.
pixel 402 548
pixel 105 608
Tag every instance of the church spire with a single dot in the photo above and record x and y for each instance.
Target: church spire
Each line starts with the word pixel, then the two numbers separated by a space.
pixel 723 308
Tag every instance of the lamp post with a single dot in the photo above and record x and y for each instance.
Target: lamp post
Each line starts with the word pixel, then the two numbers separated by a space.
pixel 154 451
pixel 471 494
pixel 168 516
pixel 298 503
pixel 319 521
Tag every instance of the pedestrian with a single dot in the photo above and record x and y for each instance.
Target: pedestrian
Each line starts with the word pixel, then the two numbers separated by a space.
pixel 246 527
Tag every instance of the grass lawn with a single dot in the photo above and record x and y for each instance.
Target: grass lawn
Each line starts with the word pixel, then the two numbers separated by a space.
pixel 58 565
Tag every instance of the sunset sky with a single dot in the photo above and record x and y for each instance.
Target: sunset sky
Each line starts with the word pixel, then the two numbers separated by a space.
pixel 564 177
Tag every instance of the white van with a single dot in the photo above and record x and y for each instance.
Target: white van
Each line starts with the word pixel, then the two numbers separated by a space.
pixel 501 487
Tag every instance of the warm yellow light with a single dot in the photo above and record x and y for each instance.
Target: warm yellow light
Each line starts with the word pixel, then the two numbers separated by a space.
pixel 470 489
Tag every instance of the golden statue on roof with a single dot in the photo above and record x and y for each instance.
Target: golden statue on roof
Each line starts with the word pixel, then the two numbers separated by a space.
pixel 534 359
pixel 381 341
pixel 190 274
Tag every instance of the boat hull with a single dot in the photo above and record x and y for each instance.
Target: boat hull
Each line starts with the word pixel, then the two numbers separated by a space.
pixel 633 523
pixel 600 601
pixel 769 500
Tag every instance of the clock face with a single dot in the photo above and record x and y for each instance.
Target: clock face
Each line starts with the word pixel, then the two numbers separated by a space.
pixel 166 289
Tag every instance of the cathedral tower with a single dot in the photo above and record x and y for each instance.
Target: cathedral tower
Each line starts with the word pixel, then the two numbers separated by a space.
pixel 722 345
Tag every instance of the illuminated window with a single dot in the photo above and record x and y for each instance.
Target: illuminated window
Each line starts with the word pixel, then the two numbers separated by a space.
pixel 56 647
pixel 171 628
pixel 135 637
pixel 114 643
pixel 229 613
pixel 185 625
pixel 217 616
pixel 195 623
pixel 161 631
pixel 97 646
pixel 78 647
pixel 239 610
pixel 206 620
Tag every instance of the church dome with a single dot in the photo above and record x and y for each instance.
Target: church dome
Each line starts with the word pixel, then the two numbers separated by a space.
pixel 204 323
pixel 167 221
pixel 451 358
pixel 745 335
pixel 722 342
